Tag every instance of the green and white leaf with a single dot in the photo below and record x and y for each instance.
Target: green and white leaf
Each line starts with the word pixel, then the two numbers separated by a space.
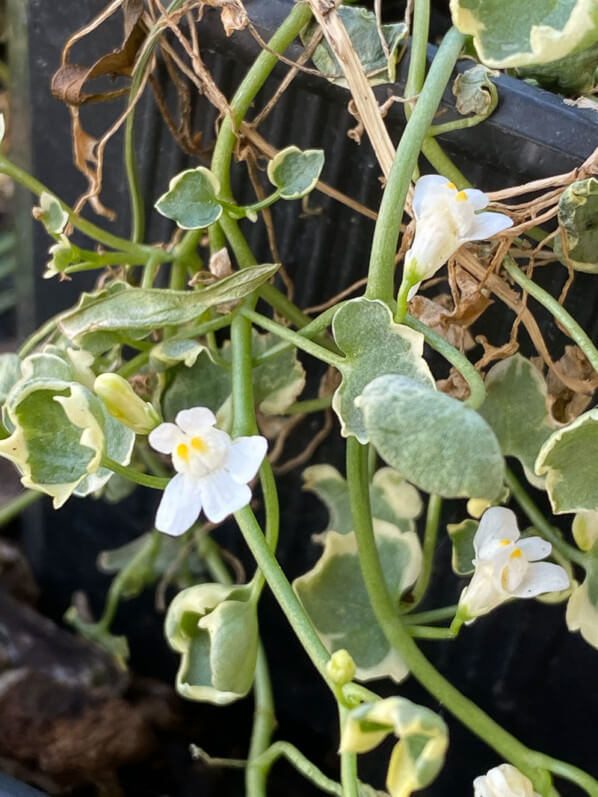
pixel 279 380
pixel 424 433
pixel 63 254
pixel 582 608
pixel 419 755
pixel 578 222
pixel 51 214
pixel 509 33
pixel 392 498
pixel 173 352
pixel 295 172
pixel 572 75
pixel 119 442
pixel 472 90
pixel 214 628
pixel 461 536
pixel 192 199
pixel 569 458
pixel 335 597
pixel 585 530
pixel 204 384
pixel 374 345
pixel 516 407
pixel 363 31
pixel 123 309
pixel 10 373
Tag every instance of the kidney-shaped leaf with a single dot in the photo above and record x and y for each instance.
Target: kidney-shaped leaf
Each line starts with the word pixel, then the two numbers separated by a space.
pixel 510 33
pixel 295 172
pixel 191 199
pixel 578 223
pixel 373 345
pixel 433 440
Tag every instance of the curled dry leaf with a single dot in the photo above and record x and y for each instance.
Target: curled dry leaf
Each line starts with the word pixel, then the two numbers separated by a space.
pixel 564 404
pixel 436 315
pixel 455 385
pixel 232 13
pixel 220 265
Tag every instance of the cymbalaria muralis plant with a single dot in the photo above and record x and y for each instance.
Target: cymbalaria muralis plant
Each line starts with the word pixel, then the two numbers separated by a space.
pixel 170 375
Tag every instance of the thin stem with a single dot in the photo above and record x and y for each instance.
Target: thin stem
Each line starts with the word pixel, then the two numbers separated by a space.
pixel 295 338
pixel 540 522
pixel 427 632
pixel 309 405
pixel 17 505
pixel 40 334
pixel 349 780
pixel 533 764
pixel 301 763
pixel 431 616
pixel 437 157
pixel 264 722
pixel 428 549
pixel 156 482
pixel 455 358
pixel 386 233
pixel 558 311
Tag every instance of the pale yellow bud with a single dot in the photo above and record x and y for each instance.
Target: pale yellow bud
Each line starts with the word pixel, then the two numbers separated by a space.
pixel 125 405
pixel 341 667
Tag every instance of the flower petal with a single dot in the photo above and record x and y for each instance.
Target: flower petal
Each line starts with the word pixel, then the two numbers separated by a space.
pixel 164 438
pixel 428 189
pixel 478 199
pixel 245 456
pixel 222 495
pixel 535 548
pixel 195 420
pixel 497 523
pixel 542 577
pixel 180 506
pixel 485 225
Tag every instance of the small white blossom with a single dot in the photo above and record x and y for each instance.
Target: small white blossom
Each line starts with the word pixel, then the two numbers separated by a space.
pixel 507 567
pixel 212 470
pixel 504 781
pixel 445 219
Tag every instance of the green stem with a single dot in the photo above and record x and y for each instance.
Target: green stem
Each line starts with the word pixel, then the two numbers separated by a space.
pixel 469 121
pixel 17 505
pixel 426 632
pixel 431 616
pixel 301 763
pixel 428 549
pixel 540 522
pixel 386 233
pixel 349 782
pixel 558 311
pixel 402 300
pixel 455 358
pixel 300 341
pixel 133 475
pixel 39 335
pixel 532 763
pixel 264 722
pixel 78 222
pixel 309 405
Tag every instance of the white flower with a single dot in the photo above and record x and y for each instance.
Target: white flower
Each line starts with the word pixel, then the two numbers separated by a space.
pixel 503 781
pixel 212 470
pixel 445 219
pixel 507 567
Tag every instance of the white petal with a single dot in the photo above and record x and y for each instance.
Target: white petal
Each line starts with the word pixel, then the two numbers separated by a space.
pixel 535 548
pixel 222 495
pixel 413 290
pixel 195 420
pixel 164 438
pixel 542 577
pixel 427 190
pixel 245 456
pixel 486 225
pixel 180 506
pixel 478 199
pixel 497 523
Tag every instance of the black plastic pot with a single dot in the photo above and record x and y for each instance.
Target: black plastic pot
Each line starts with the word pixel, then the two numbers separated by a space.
pixel 510 662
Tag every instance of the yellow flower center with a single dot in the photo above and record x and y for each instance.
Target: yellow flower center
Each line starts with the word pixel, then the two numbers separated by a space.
pixel 516 554
pixel 451 185
pixel 461 196
pixel 183 451
pixel 505 542
pixel 198 444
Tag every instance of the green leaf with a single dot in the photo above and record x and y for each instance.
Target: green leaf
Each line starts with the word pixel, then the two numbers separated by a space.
pixel 63 254
pixel 472 90
pixel 191 199
pixel 335 597
pixel 373 345
pixel 214 628
pixel 295 172
pixel 585 530
pixel 10 372
pixel 392 498
pixel 119 442
pixel 511 33
pixel 204 384
pixel 572 75
pixel 279 380
pixel 139 310
pixel 363 31
pixel 419 755
pixel 570 459
pixel 423 434
pixel 578 220
pixel 517 410
pixel 461 536
pixel 173 352
pixel 51 214
pixel 582 607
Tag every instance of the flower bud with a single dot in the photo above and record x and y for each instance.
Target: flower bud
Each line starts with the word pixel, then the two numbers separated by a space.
pixel 341 667
pixel 124 404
